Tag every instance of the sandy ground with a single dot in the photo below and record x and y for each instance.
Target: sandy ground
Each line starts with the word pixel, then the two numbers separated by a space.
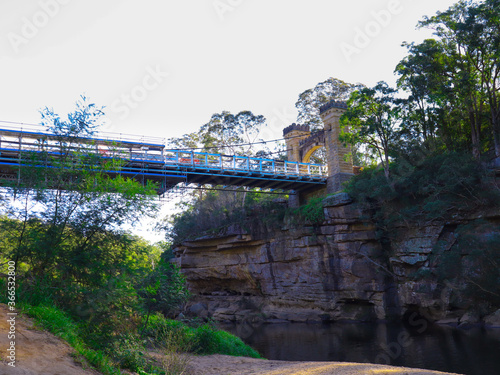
pixel 41 353
pixel 225 365
pixel 37 352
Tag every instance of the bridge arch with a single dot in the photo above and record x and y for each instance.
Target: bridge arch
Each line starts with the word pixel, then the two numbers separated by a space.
pixel 308 146
pixel 301 143
pixel 310 152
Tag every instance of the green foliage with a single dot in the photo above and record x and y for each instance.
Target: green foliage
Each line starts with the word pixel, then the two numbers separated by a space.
pixel 436 187
pixel 214 211
pixel 371 120
pixel 201 339
pixel 60 324
pixel 226 133
pixel 311 100
pixel 453 81
pixel 311 213
pixel 212 341
pixel 472 264
pixel 82 122
pixel 164 289
pixel 65 212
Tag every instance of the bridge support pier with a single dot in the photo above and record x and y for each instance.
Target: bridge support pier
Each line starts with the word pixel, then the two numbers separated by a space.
pixel 301 197
pixel 294 200
pixel 338 156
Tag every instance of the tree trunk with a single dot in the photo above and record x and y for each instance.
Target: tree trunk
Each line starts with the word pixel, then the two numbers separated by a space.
pixel 475 134
pixel 495 123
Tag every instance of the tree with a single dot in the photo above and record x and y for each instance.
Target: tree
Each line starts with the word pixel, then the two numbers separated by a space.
pixel 226 133
pixel 67 209
pixel 470 32
pixel 164 289
pixel 371 120
pixel 310 100
pixel 423 74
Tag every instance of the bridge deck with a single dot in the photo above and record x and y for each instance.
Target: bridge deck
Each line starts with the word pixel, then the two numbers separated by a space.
pixel 152 161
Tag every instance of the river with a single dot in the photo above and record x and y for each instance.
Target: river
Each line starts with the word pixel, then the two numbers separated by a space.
pixel 473 351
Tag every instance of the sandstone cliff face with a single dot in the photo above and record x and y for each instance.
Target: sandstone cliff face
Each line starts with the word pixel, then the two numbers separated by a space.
pixel 338 271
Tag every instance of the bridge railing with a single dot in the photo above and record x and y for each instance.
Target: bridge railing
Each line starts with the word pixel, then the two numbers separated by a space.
pixel 14 143
pixel 238 163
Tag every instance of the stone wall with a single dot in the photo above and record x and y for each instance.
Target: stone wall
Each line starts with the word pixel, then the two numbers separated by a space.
pixel 336 271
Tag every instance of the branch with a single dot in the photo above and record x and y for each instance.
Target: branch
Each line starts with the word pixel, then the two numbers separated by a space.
pixel 480 287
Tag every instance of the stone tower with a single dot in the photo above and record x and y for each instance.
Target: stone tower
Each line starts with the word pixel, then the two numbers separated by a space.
pixel 338 158
pixel 293 134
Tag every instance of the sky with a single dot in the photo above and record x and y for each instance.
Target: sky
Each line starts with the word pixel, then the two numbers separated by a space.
pixel 161 68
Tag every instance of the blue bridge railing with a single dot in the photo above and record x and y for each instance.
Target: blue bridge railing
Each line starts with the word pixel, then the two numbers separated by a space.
pixel 138 153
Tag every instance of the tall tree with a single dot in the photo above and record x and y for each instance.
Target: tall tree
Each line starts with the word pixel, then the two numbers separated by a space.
pixel 67 208
pixel 227 133
pixel 310 100
pixel 423 74
pixel 471 32
pixel 371 119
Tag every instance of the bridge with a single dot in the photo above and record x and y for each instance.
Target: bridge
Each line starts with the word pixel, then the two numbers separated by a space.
pixel 146 159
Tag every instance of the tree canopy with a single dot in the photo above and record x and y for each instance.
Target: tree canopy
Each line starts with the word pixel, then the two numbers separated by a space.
pixel 227 133
pixel 310 100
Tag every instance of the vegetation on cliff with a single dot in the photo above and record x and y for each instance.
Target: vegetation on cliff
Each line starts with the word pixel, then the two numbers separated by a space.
pixel 430 150
pixel 435 147
pixel 214 212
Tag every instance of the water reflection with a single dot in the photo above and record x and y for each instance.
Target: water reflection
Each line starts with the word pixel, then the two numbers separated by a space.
pixel 475 351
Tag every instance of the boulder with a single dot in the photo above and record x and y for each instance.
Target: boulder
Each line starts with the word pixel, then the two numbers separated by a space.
pixel 469 319
pixel 340 199
pixel 199 309
pixel 493 320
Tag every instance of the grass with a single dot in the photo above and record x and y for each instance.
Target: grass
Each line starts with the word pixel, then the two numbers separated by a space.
pixel 60 324
pixel 201 339
pixel 171 337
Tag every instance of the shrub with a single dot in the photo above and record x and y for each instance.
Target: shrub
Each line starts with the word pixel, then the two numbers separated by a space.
pixel 310 213
pixel 437 187
pixel 472 264
pixel 210 340
pixel 164 289
pixel 60 324
pixel 201 339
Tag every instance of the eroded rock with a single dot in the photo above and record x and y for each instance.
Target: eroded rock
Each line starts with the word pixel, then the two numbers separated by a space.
pixel 337 271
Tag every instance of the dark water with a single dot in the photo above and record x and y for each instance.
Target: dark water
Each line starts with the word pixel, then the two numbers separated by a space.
pixel 475 351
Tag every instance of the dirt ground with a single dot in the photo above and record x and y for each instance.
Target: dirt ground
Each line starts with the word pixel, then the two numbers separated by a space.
pixel 37 352
pixel 41 353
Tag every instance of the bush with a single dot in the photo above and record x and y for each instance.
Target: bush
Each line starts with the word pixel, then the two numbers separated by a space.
pixel 164 289
pixel 201 339
pixel 214 341
pixel 60 324
pixel 437 187
pixel 472 264
pixel 214 211
pixel 310 213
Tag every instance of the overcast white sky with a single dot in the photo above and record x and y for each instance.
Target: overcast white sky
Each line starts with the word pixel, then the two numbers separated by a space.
pixel 163 67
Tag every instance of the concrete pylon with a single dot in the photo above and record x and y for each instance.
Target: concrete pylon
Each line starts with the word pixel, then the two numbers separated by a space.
pixel 339 159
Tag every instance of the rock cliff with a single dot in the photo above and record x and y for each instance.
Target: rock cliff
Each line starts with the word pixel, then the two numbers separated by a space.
pixel 336 271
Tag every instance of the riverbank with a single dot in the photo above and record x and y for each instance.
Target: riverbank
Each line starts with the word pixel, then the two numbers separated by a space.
pixel 41 353
pixel 227 365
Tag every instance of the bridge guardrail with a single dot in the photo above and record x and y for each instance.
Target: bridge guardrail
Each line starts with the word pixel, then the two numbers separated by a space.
pixel 242 163
pixel 158 157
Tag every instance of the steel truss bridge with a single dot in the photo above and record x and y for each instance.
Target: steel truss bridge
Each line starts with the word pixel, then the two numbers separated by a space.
pixel 145 159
